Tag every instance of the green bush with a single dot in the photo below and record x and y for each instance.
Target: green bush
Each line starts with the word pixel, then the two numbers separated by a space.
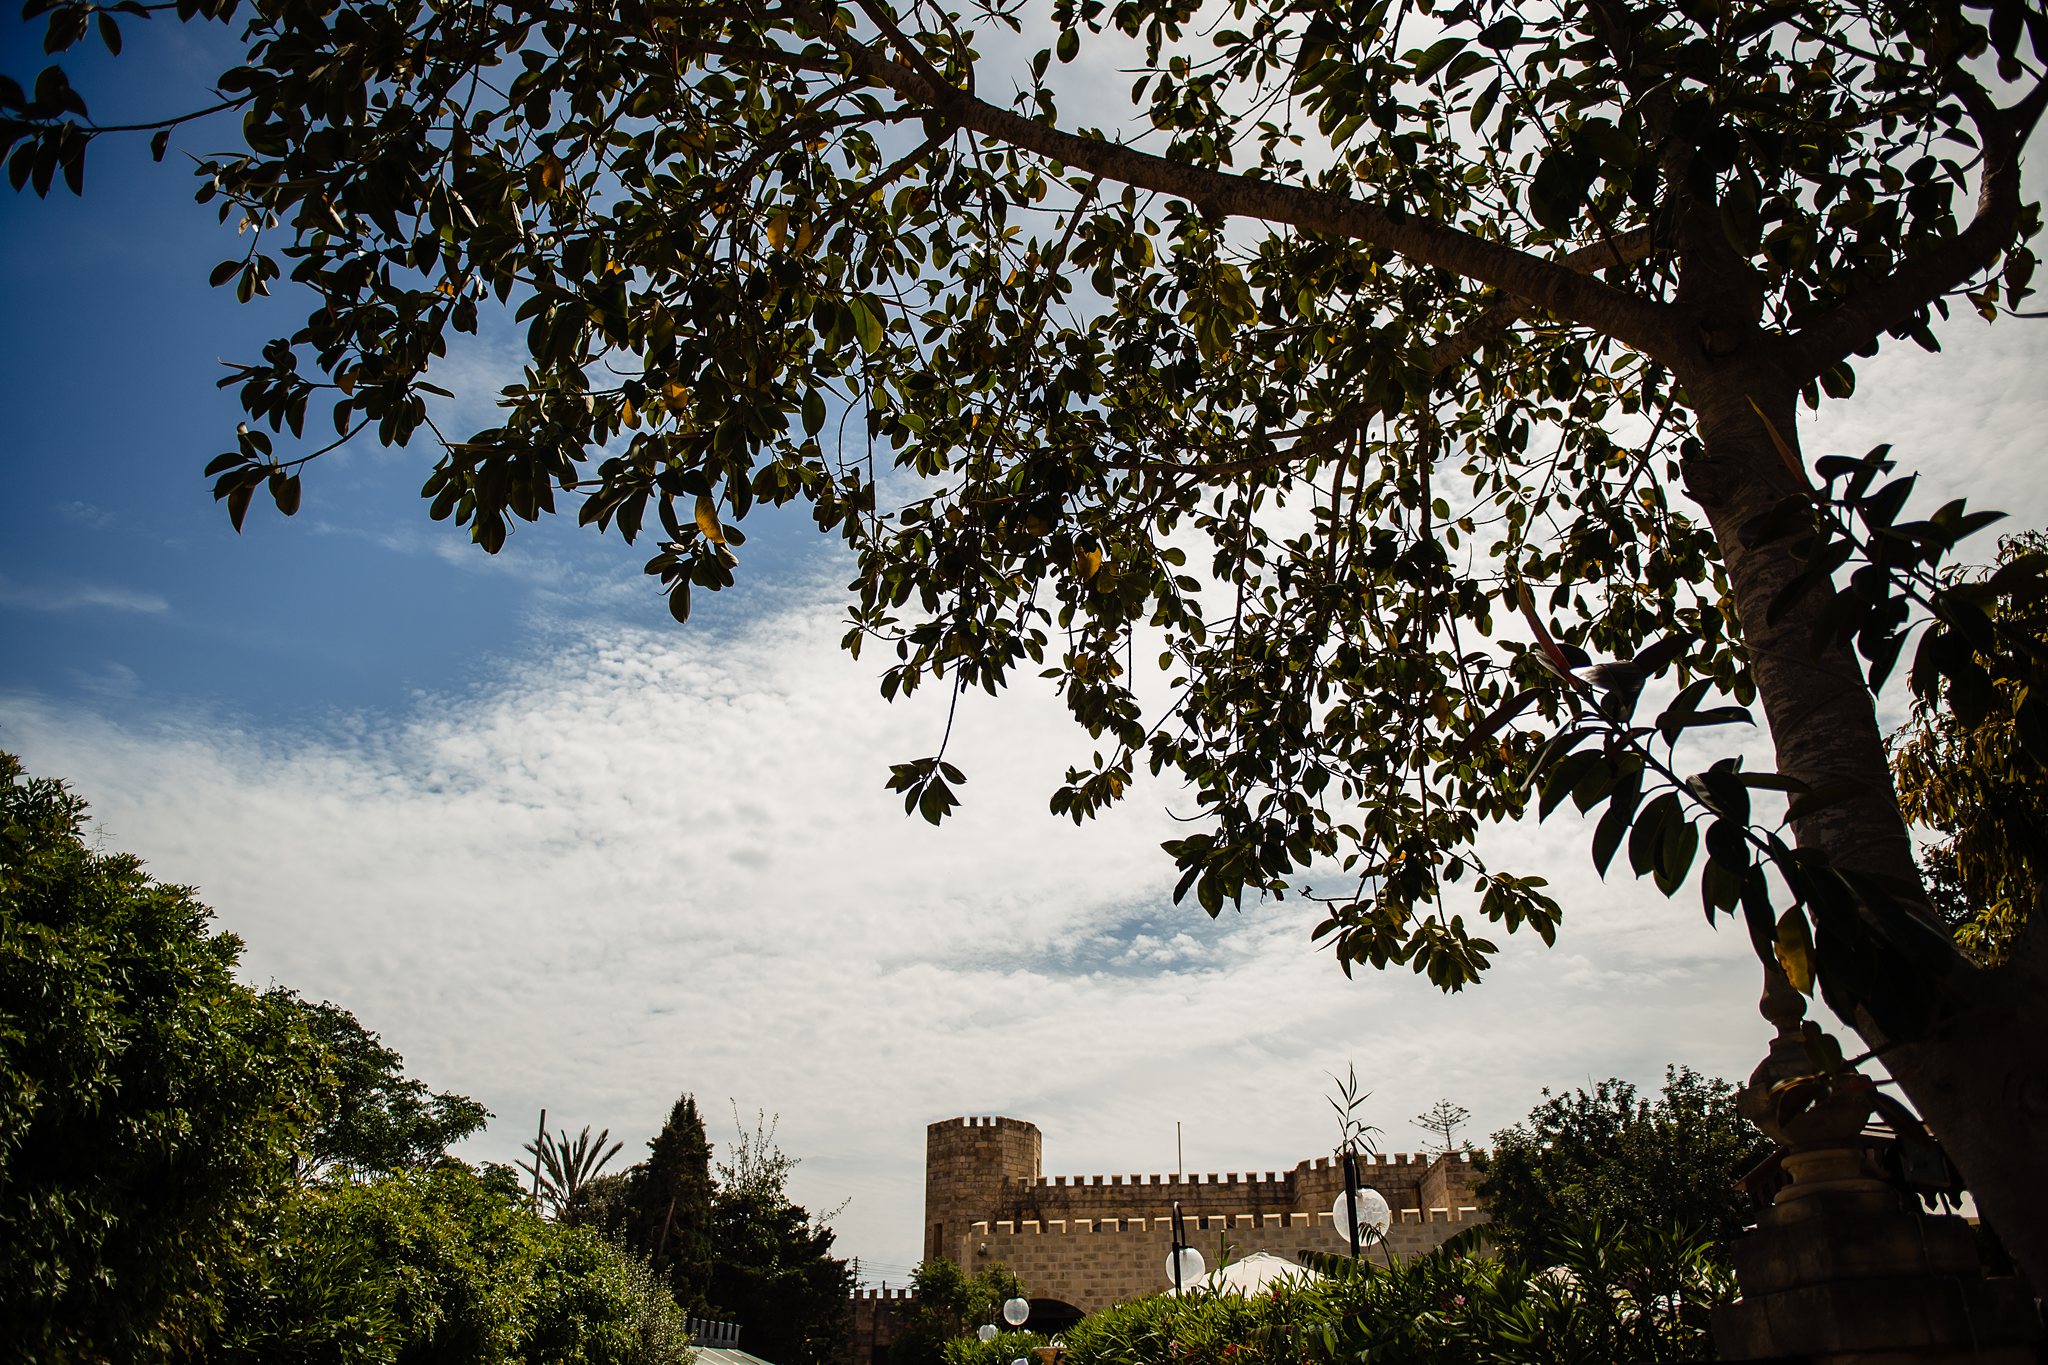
pixel 192 1171
pixel 1600 1297
pixel 442 1266
pixel 1000 1349
pixel 150 1104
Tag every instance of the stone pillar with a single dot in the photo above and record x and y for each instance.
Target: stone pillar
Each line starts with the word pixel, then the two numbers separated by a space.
pixel 1844 1267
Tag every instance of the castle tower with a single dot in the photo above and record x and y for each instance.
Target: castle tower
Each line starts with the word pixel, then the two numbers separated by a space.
pixel 971 1167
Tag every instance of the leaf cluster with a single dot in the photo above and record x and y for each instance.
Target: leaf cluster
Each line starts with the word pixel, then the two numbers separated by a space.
pixel 1248 444
pixel 150 1104
pixel 1978 784
pixel 1599 1294
pixel 1624 1160
pixel 440 1265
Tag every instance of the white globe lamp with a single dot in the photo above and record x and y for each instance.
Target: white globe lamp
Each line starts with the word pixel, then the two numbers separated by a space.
pixel 1192 1266
pixel 1374 1215
pixel 987 1331
pixel 1016 1310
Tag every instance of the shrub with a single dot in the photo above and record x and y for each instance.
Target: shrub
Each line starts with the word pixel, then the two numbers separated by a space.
pixel 150 1104
pixel 442 1266
pixel 1000 1349
pixel 1642 1298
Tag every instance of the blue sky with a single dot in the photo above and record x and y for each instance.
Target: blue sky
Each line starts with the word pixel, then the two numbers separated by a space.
pixel 563 853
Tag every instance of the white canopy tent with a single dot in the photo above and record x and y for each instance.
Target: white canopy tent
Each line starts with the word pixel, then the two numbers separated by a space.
pixel 1257 1273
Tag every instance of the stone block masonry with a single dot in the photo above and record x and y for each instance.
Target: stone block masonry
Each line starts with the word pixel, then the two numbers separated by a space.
pixel 1088 1241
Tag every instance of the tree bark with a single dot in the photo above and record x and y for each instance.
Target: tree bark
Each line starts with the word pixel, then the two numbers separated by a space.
pixel 1980 1078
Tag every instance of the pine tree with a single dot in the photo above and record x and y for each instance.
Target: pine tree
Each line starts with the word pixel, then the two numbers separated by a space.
pixel 668 1205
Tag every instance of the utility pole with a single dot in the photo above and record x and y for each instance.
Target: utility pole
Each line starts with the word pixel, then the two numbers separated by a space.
pixel 540 1139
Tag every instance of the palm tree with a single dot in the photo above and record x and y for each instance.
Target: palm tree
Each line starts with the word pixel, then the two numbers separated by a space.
pixel 563 1168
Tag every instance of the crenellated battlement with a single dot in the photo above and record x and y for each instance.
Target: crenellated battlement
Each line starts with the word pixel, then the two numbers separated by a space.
pixel 1086 1240
pixel 884 1295
pixel 982 1121
pixel 1204 1222
pixel 1149 1181
pixel 1369 1165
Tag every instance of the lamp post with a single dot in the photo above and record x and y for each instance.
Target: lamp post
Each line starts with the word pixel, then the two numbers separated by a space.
pixel 1360 1210
pixel 1016 1312
pixel 1183 1263
pixel 1016 1308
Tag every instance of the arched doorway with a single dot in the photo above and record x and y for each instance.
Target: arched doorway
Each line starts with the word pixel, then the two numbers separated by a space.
pixel 1050 1317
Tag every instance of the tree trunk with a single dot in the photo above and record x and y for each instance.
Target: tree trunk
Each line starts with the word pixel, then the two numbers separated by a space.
pixel 1980 1079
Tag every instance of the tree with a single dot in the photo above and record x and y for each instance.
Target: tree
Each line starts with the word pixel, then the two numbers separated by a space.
pixel 946 1304
pixel 1976 786
pixel 150 1104
pixel 441 1265
pixel 1403 322
pixel 1613 1158
pixel 772 1269
pixel 1443 1120
pixel 772 1266
pixel 663 1206
pixel 376 1119
pixel 564 1169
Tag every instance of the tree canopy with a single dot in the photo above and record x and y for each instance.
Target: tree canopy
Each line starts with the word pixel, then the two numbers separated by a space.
pixel 1612 1157
pixel 1975 785
pixel 1375 372
pixel 726 1239
pixel 194 1170
pixel 376 1120
pixel 150 1104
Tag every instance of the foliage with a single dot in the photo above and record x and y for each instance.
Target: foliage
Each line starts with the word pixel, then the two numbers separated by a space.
pixel 1004 1348
pixel 563 1169
pixel 441 1266
pixel 376 1120
pixel 813 262
pixel 662 1208
pixel 1354 1133
pixel 1979 785
pixel 149 1103
pixel 1442 1120
pixel 1603 1297
pixel 154 1115
pixel 737 1248
pixel 772 1263
pixel 1612 1157
pixel 773 1269
pixel 947 1306
pixel 1364 333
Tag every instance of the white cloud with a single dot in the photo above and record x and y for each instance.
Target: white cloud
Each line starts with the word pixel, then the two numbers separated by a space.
pixel 88 515
pixel 80 597
pixel 653 862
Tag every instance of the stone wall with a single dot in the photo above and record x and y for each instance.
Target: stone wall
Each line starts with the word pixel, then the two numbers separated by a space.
pixel 1092 1263
pixel 1091 1240
pixel 879 1316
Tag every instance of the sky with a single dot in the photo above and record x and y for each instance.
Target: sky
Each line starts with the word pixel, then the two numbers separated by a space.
pixel 564 854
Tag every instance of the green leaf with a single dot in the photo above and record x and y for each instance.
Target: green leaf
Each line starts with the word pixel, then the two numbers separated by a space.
pixel 1432 61
pixel 867 327
pixel 1646 840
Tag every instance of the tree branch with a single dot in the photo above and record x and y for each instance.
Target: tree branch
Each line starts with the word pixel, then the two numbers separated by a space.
pixel 1861 318
pixel 1544 285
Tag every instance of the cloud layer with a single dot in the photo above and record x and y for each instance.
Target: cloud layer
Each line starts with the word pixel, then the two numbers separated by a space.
pixel 642 863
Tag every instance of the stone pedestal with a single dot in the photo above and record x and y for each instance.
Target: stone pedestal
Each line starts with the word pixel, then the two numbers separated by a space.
pixel 1844 1267
pixel 1849 1277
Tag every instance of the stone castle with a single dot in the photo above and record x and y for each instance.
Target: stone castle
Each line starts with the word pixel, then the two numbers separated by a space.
pixel 1080 1243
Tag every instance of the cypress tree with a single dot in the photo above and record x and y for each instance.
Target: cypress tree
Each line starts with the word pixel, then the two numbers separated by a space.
pixel 668 1205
